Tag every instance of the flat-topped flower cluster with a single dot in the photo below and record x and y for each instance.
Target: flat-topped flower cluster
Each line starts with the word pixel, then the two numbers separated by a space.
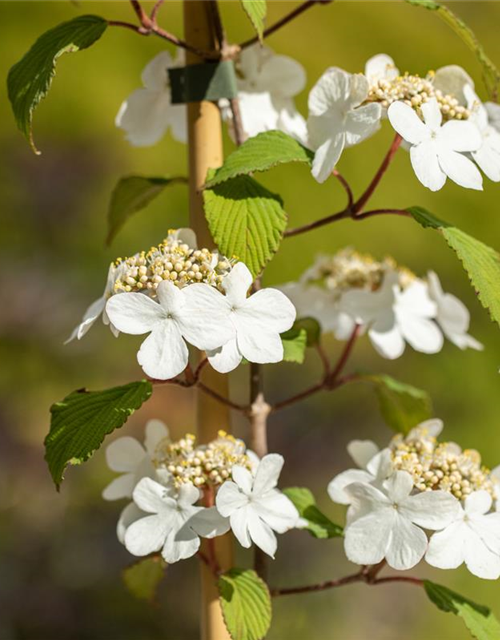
pixel 386 300
pixel 414 486
pixel 182 491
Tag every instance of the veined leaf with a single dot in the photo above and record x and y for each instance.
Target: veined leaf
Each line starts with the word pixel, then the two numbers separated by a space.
pixel 81 421
pixel 260 153
pixel 481 262
pixel 256 10
pixel 246 604
pixel 142 578
pixel 294 345
pixel 29 79
pixel 245 220
pixel 318 524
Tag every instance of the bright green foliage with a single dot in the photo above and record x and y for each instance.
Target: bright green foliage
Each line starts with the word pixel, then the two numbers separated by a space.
pixel 132 194
pixel 294 345
pixel 481 262
pixel 318 524
pixel 312 328
pixel 479 620
pixel 80 422
pixel 143 577
pixel 246 221
pixel 246 604
pixel 401 405
pixel 490 72
pixel 256 10
pixel 29 80
pixel 261 153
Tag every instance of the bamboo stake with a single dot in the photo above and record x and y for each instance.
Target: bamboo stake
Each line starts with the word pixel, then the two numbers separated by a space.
pixel 206 152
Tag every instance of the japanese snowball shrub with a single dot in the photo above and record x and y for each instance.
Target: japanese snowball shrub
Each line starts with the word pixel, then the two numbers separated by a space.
pixel 418 485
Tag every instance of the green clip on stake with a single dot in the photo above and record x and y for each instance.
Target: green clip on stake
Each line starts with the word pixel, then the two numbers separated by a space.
pixel 206 81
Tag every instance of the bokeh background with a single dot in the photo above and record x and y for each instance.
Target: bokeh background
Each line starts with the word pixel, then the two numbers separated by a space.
pixel 60 562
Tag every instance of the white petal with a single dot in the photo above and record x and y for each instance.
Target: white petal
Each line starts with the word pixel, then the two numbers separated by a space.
pixel 493 111
pixel 230 499
pixel 327 156
pixel 425 163
pixel 282 75
pixel 432 114
pixel 156 431
pixel 431 509
pixel 399 486
pixel 460 136
pixel 293 123
pixel 488 160
pixel 446 548
pixel 121 487
pixel 480 561
pixel 155 74
pixel 177 121
pixel 331 91
pixel 368 538
pixel 460 169
pixel 131 513
pixel 208 523
pixel 134 313
pixel 407 547
pixel 451 80
pixel 188 495
pixel 362 451
pixel 146 535
pixel 263 347
pixel 276 510
pixel 243 479
pixel 239 525
pixel 406 122
pixel 478 502
pixel 144 117
pixel 362 123
pixel 380 67
pixel 150 496
pixel 380 466
pixel 90 316
pixel 389 344
pixel 261 533
pixel 124 454
pixel 180 545
pixel 237 283
pixel 227 358
pixel 373 498
pixel 258 113
pixel 164 354
pixel 336 487
pixel 268 473
pixel 422 334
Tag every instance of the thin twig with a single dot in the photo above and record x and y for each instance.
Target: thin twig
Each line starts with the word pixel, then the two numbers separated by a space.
pixel 140 13
pixel 217 396
pixel 155 9
pixel 347 187
pixel 239 132
pixel 378 212
pixel 341 215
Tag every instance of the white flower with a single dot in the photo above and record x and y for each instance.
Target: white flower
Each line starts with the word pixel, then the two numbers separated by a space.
pixel 389 521
pixel 380 67
pixel 473 537
pixel 493 111
pixel 255 507
pixel 452 315
pixel 436 149
pixel 495 474
pixel 166 525
pixel 257 320
pixel 197 313
pixel 374 467
pixel 451 81
pixel 147 113
pixel 394 316
pixel 127 456
pixel 98 307
pixel 335 118
pixel 267 84
pixel 488 154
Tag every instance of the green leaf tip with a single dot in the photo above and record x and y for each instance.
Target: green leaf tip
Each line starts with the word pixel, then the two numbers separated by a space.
pixel 318 525
pixel 256 10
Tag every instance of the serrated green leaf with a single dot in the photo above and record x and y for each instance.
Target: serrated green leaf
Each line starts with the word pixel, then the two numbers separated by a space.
pixel 312 328
pixel 142 578
pixel 482 263
pixel 29 79
pixel 246 604
pixel 80 422
pixel 319 525
pixel 294 345
pixel 491 74
pixel 132 194
pixel 245 220
pixel 479 620
pixel 256 10
pixel 260 153
pixel 401 405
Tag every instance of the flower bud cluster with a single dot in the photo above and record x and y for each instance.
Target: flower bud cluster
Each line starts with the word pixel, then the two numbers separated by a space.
pixel 415 91
pixel 171 260
pixel 201 465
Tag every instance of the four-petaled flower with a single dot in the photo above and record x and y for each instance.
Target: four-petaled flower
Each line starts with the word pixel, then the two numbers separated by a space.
pixel 336 119
pixel 473 537
pixel 437 149
pixel 255 507
pixel 258 321
pixel 389 520
pixel 196 314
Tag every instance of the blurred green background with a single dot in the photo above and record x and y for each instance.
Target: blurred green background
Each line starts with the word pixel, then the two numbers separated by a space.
pixel 60 562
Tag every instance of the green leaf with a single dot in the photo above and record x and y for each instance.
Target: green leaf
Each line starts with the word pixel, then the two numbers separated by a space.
pixel 29 79
pixel 80 422
pixel 246 604
pixel 479 620
pixel 481 262
pixel 132 194
pixel 256 10
pixel 294 345
pixel 491 74
pixel 261 153
pixel 143 578
pixel 319 525
pixel 401 405
pixel 312 328
pixel 246 221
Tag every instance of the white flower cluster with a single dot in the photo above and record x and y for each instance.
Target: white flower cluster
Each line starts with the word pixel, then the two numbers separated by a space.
pixel 180 294
pixel 169 482
pixel 416 485
pixel 387 301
